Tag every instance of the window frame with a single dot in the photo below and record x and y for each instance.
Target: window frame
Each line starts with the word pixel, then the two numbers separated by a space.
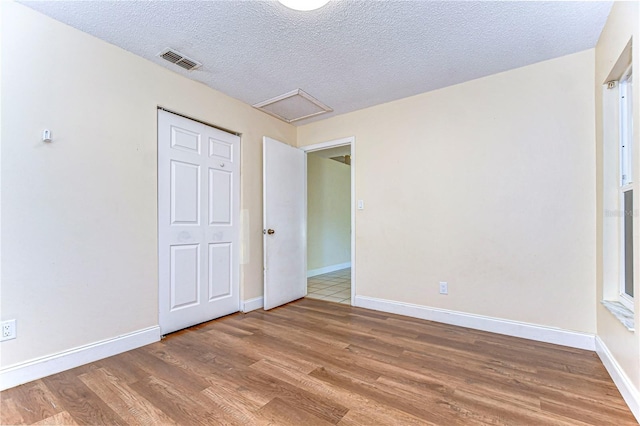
pixel 625 146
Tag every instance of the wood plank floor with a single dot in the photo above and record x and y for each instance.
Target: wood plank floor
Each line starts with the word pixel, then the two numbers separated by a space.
pixel 318 363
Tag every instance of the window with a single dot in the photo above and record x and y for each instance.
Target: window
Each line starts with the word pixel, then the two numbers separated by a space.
pixel 626 188
pixel 620 179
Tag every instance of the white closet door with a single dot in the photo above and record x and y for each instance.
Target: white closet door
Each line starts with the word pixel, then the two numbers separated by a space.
pixel 198 222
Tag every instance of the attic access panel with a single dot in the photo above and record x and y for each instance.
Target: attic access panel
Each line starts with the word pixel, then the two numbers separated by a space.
pixel 293 106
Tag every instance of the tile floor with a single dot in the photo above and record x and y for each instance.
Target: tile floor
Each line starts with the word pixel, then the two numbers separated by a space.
pixel 334 286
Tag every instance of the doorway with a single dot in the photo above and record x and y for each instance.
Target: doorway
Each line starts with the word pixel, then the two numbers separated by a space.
pixel 330 221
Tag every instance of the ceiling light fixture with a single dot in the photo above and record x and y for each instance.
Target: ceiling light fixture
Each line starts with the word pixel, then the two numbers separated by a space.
pixel 304 5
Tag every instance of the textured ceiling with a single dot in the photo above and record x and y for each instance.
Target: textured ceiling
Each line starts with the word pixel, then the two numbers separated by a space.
pixel 349 54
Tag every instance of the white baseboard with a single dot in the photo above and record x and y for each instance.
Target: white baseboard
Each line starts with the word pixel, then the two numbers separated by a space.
pixel 478 322
pixel 620 378
pixel 41 367
pixel 252 304
pixel 327 269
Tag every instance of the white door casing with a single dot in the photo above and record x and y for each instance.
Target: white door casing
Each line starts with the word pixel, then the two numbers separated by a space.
pixel 285 213
pixel 198 222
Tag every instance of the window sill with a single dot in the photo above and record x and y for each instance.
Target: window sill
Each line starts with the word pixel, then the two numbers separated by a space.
pixel 621 312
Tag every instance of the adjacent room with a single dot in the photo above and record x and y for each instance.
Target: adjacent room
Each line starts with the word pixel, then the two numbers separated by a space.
pixel 329 224
pixel 332 212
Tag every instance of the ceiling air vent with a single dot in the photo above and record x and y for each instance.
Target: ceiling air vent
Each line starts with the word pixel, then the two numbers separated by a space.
pixel 179 59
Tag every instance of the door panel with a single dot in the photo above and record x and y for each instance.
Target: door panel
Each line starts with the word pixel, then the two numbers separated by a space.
pixel 285 213
pixel 185 193
pixel 219 270
pixel 220 149
pixel 198 236
pixel 220 202
pixel 185 277
pixel 184 139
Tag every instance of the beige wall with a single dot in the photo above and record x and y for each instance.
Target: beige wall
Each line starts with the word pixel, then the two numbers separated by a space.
pixel 79 239
pixel 328 212
pixel 622 24
pixel 488 185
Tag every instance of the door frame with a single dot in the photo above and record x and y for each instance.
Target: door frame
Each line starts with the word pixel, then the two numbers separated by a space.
pixel 351 141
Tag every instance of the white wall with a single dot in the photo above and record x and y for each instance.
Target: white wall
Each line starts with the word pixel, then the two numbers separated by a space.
pixel 329 212
pixel 79 228
pixel 623 24
pixel 488 185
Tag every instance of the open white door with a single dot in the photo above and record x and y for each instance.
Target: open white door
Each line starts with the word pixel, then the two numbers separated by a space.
pixel 285 227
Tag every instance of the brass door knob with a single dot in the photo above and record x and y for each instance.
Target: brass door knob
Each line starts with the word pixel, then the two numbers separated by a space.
pixel 271 232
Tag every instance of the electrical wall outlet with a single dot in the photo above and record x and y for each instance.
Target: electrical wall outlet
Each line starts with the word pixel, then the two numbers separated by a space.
pixel 8 330
pixel 444 287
